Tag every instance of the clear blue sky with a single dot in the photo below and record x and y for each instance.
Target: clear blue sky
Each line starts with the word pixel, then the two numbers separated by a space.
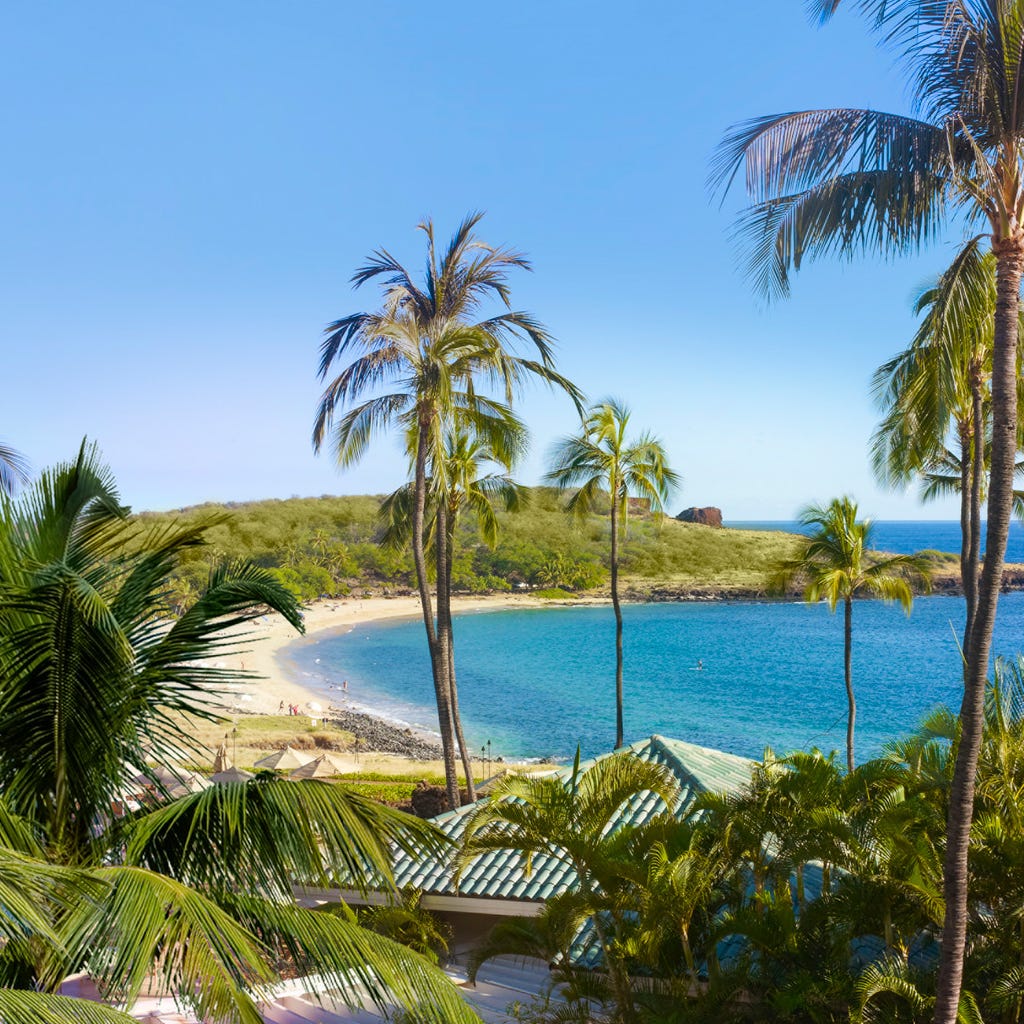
pixel 187 188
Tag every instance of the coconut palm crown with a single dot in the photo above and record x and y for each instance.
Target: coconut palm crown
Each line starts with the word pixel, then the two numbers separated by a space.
pixel 936 405
pixel 477 458
pixel 576 821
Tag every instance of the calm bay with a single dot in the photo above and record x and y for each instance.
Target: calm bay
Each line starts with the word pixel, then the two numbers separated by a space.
pixel 538 682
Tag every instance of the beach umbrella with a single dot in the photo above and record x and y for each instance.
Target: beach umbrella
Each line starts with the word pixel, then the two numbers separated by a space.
pixel 232 775
pixel 321 768
pixel 285 759
pixel 175 783
pixel 222 759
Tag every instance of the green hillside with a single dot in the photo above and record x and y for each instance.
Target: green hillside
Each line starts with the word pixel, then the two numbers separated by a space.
pixel 330 546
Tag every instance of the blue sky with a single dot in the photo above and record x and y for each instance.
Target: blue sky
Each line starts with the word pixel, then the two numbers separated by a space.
pixel 187 189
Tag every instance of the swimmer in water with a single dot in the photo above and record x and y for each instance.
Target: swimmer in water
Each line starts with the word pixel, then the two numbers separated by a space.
pixel 700 665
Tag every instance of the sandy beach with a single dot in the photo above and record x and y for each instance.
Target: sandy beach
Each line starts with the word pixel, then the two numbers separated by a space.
pixel 259 646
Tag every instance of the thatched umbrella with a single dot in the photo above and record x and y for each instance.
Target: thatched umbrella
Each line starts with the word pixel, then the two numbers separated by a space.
pixel 283 760
pixel 222 759
pixel 232 775
pixel 321 768
pixel 173 783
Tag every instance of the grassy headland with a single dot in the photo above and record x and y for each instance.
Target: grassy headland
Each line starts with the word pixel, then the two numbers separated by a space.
pixel 330 546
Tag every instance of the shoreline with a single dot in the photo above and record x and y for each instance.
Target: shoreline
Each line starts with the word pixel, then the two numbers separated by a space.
pixel 270 683
pixel 261 651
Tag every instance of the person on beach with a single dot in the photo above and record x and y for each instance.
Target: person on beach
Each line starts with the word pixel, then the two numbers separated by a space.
pixel 344 686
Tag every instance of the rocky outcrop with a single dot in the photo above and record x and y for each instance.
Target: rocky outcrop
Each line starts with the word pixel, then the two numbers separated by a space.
pixel 375 734
pixel 710 516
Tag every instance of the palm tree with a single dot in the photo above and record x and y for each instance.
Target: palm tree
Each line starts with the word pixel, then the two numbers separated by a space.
pixel 471 490
pixel 573 820
pixel 939 385
pixel 941 379
pixel 601 462
pixel 98 678
pixel 677 887
pixel 833 566
pixel 840 182
pixel 413 365
pixel 465 486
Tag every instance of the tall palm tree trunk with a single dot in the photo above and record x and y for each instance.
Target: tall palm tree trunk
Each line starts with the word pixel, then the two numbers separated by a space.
pixel 851 714
pixel 619 730
pixel 438 657
pixel 464 751
pixel 977 477
pixel 419 559
pixel 1009 267
pixel 444 660
pixel 968 582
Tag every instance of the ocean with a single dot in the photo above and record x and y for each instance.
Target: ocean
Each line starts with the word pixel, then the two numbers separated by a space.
pixel 904 537
pixel 535 683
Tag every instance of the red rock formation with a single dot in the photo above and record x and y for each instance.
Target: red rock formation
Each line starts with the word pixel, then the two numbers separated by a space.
pixel 705 516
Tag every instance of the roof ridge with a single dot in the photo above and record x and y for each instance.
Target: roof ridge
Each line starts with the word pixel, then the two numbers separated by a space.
pixel 679 766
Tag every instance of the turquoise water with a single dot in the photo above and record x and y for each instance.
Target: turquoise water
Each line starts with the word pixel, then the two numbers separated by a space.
pixel 537 682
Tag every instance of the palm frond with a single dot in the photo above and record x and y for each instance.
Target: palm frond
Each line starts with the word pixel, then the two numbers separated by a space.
pixel 14 470
pixel 19 1007
pixel 148 924
pixel 354 961
pixel 276 833
pixel 31 891
pixel 93 675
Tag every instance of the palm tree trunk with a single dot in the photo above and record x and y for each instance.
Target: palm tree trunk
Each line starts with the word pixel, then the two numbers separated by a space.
pixel 419 559
pixel 444 659
pixel 968 580
pixel 438 657
pixel 690 960
pixel 977 478
pixel 1009 267
pixel 851 716
pixel 464 751
pixel 619 730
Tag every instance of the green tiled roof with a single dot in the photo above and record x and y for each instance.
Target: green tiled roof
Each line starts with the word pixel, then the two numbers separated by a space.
pixel 499 874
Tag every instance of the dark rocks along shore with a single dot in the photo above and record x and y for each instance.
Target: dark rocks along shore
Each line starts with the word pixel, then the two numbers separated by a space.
pixel 384 737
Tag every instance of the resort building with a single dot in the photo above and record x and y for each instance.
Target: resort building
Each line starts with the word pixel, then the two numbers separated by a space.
pixel 495 885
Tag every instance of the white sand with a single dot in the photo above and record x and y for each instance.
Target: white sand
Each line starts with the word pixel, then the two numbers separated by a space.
pixel 261 643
